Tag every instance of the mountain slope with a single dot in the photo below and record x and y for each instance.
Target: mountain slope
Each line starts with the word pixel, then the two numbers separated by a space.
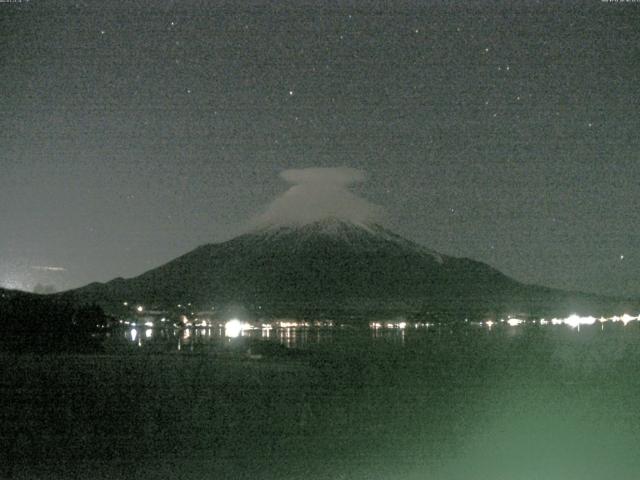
pixel 322 266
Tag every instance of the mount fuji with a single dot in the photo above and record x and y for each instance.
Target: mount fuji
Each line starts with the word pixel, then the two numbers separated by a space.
pixel 333 267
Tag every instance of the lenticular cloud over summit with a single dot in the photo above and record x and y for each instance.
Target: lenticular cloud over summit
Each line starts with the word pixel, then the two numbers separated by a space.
pixel 317 194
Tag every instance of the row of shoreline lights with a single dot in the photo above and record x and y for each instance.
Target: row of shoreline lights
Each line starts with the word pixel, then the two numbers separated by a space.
pixel 572 321
pixel 234 327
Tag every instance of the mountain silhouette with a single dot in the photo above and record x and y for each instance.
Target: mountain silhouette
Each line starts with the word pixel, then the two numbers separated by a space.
pixel 334 267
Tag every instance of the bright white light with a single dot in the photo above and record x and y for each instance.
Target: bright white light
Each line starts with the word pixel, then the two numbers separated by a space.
pixel 233 328
pixel 402 324
pixel 543 321
pixel 148 332
pixel 556 321
pixel 489 323
pixel 514 322
pixel 573 321
pixel 134 334
pixel 139 308
pixel 626 318
pixel 288 324
pixel 148 324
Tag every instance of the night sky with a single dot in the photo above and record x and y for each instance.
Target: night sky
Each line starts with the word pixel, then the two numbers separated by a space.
pixel 132 132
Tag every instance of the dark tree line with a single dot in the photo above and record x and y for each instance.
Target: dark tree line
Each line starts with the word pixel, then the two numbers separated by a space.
pixel 35 323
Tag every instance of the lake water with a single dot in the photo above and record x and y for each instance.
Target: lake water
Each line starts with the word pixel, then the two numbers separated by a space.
pixel 466 402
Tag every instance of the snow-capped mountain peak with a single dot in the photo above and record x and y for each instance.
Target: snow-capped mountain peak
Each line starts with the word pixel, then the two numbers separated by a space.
pixel 358 235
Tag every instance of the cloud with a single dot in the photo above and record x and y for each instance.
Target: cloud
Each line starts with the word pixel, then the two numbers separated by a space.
pixel 343 176
pixel 49 269
pixel 317 194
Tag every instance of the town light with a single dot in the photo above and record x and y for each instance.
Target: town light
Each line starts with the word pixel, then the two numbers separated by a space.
pixel 233 328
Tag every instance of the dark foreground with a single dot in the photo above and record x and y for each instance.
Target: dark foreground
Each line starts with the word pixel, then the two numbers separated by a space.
pixel 515 403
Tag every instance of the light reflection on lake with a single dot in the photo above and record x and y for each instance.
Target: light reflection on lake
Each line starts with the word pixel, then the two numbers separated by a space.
pixel 291 337
pixel 454 401
pixel 214 338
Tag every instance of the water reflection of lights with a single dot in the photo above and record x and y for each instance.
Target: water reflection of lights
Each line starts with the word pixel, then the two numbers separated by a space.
pixel 287 336
pixel 266 331
pixel 399 330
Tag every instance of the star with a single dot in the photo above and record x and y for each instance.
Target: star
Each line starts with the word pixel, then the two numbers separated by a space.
pixel 621 257
pixel 290 93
